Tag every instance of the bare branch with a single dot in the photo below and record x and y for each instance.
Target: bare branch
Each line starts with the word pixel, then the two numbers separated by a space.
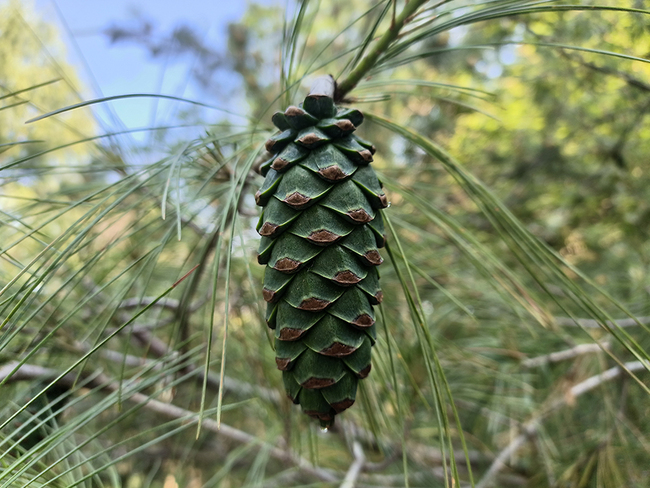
pixel 594 324
pixel 29 372
pixel 556 357
pixel 627 77
pixel 530 428
pixel 575 57
pixel 423 478
pixel 351 476
pixel 169 303
pixel 159 348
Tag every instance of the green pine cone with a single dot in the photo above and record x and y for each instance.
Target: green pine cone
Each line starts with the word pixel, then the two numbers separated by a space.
pixel 321 227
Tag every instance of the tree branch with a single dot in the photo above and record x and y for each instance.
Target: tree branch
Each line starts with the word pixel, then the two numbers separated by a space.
pixel 160 349
pixel 168 303
pixel 594 324
pixel 628 78
pixel 31 372
pixel 558 356
pixel 355 468
pixel 530 428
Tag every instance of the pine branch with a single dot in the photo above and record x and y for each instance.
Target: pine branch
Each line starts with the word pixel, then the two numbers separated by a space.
pixel 384 42
pixel 425 453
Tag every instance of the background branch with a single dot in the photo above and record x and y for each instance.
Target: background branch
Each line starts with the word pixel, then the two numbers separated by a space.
pixel 558 356
pixel 355 468
pixel 103 382
pixel 594 324
pixel 530 428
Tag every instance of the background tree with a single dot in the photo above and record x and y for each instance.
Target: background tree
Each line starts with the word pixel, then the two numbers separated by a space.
pixel 513 341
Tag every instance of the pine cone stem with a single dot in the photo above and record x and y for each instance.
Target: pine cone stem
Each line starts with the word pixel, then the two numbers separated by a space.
pixel 382 45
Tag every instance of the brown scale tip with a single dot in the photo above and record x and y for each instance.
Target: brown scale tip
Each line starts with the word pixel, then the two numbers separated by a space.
pixel 332 173
pixel 346 278
pixel 366 155
pixel 365 372
pixel 288 334
pixel 287 265
pixel 314 304
pixel 323 237
pixel 294 111
pixel 325 418
pixel 310 139
pixel 379 296
pixel 373 257
pixel 269 145
pixel 258 194
pixel 383 200
pixel 279 164
pixel 269 295
pixel 297 200
pixel 317 383
pixel 283 363
pixel 345 125
pixel 268 229
pixel 360 215
pixel 338 350
pixel 343 405
pixel 363 320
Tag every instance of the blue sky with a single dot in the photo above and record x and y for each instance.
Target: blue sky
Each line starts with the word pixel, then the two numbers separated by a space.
pixel 125 68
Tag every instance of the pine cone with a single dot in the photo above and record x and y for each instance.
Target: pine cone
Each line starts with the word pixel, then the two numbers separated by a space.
pixel 321 227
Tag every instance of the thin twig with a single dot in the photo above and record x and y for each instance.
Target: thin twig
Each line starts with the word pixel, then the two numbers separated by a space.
pixel 31 372
pixel 594 324
pixel 628 78
pixel 530 428
pixel 574 57
pixel 351 476
pixel 423 478
pixel 159 348
pixel 425 454
pixel 558 356
pixel 169 303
